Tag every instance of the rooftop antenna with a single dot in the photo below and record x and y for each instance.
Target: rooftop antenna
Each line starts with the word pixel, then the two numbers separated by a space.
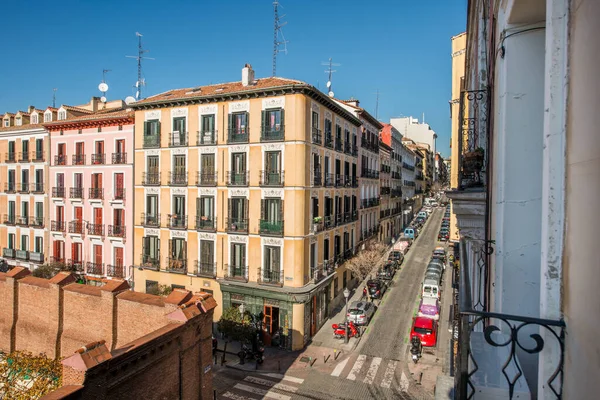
pixel 377 93
pixel 140 80
pixel 330 71
pixel 103 87
pixel 423 118
pixel 277 31
pixel 54 97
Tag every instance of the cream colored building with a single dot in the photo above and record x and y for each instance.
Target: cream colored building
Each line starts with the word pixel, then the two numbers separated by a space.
pixel 248 190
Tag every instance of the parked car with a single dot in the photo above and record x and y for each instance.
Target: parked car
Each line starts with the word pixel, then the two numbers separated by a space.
pixel 361 312
pixel 422 214
pixel 426 330
pixel 440 254
pixel 433 275
pixel 444 235
pixel 431 288
pixel 376 288
pixel 429 308
pixel 386 272
pixel 396 255
pixel 411 233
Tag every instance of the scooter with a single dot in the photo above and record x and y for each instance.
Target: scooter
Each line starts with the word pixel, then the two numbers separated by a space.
pixel 247 354
pixel 416 348
pixel 339 330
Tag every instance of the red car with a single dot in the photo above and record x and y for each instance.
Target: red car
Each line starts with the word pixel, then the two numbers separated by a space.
pixel 426 330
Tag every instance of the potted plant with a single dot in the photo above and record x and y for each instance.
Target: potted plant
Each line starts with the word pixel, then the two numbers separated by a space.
pixel 473 160
pixel 316 222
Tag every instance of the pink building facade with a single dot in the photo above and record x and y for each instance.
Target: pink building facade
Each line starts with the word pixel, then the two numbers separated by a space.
pixel 91 177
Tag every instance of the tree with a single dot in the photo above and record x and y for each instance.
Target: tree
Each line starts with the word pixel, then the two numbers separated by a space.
pixel 25 376
pixel 235 326
pixel 160 290
pixel 366 261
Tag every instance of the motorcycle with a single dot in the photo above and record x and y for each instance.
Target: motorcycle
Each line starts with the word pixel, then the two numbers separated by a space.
pixel 416 348
pixel 248 354
pixel 339 330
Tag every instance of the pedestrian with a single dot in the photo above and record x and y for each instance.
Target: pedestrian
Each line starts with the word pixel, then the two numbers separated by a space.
pixel 365 293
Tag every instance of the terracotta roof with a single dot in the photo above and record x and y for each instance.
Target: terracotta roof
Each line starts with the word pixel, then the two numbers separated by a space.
pixel 9 114
pixel 144 298
pixel 84 289
pixel 51 109
pixel 104 115
pixel 32 280
pixel 20 127
pixel 362 112
pixel 24 113
pixel 76 109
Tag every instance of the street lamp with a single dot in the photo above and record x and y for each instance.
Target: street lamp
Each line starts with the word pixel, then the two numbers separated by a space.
pixel 346 295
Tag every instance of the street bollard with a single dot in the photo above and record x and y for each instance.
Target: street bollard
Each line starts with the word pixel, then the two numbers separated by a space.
pixel 224 352
pixel 326 358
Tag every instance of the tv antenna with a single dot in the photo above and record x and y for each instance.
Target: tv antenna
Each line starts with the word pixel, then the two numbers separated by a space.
pixel 140 81
pixel 277 32
pixel 103 87
pixel 54 97
pixel 377 93
pixel 330 71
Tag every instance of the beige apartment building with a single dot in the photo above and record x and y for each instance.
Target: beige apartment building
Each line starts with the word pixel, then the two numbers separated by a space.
pixel 248 190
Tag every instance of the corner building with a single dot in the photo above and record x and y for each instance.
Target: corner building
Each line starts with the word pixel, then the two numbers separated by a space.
pixel 245 190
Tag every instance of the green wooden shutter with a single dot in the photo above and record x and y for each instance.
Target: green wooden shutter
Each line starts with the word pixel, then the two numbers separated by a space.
pixel 229 210
pixel 247 132
pixel 282 127
pixel 263 121
pixel 275 261
pixel 184 258
pixel 171 248
pixel 158 250
pixel 230 124
pixel 281 219
pixel 146 128
pixel 198 207
pixel 262 209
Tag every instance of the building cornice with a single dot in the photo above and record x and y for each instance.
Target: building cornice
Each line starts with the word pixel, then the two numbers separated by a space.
pixel 304 89
pixel 90 123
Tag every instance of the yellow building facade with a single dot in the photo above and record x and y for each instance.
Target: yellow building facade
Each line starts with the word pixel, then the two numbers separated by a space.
pixel 248 190
pixel 458 72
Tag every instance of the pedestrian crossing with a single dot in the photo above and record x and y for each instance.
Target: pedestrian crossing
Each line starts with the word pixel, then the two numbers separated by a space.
pixel 264 386
pixel 373 371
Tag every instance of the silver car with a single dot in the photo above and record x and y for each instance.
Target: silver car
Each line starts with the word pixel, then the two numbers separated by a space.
pixel 361 312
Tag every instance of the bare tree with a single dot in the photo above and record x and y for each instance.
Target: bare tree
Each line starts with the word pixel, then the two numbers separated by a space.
pixel 366 261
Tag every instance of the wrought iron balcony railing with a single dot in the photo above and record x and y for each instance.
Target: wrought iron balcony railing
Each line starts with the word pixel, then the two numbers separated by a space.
pixel 94 268
pixel 115 271
pixel 98 158
pixel 317 179
pixel 37 187
pixel 78 159
pixel 151 141
pixel 36 257
pixel 489 344
pixel 204 223
pixel 76 227
pixel 316 136
pixel 178 139
pixel 76 193
pixel 116 231
pixel 239 225
pixel 119 193
pixel 10 157
pixel 177 265
pixel 206 178
pixel 95 229
pixel 328 140
pixel 60 159
pixel 236 272
pixel 24 156
pixel 57 226
pixel 9 219
pixel 272 133
pixel 10 187
pixel 8 253
pixel 178 178
pixel 119 158
pixel 22 220
pixel 206 138
pixel 24 187
pixel 150 261
pixel 96 193
pixel 270 276
pixel 150 220
pixel 151 178
pixel 271 178
pixel 205 269
pixel 268 227
pixel 237 178
pixel 329 180
pixel 177 221
pixel 238 135
pixel 22 254
pixel 36 222
pixel 339 145
pixel 474 107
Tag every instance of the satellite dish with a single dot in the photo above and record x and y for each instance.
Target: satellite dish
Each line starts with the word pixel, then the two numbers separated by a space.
pixel 103 87
pixel 328 84
pixel 330 94
pixel 103 99
pixel 129 100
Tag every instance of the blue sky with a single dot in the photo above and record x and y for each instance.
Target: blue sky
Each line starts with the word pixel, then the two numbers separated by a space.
pixel 400 47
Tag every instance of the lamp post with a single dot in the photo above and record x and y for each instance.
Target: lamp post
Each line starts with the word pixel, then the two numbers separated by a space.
pixel 346 295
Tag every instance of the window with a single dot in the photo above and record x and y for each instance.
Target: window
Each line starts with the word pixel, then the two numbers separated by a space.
pixel 6 122
pixel 238 213
pixel 11 210
pixel 62 115
pixel 39 211
pixel 179 131
pixel 78 180
pixel 34 119
pixel 174 286
pixel 152 206
pixel 207 252
pixel 315 120
pixel 238 162
pixel 179 206
pixel 240 121
pixel 273 210
pixel 38 244
pixel 178 249
pixel 97 181
pixel 11 240
pixel 25 148
pixel 24 242
pixel 151 127
pixel 119 186
pixel 25 210
pixel 272 263
pixel 152 166
pixel 205 211
pixel 272 124
pixel 238 255
pixel 179 164
pixel 150 249
pixel 11 151
pixel 152 287
pixel 18 121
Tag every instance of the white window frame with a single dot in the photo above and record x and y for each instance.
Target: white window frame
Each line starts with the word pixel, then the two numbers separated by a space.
pixel 62 115
pixel 48 116
pixel 34 118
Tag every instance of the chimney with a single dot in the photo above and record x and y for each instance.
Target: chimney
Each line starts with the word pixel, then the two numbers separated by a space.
pixel 247 75
pixel 30 109
pixel 353 102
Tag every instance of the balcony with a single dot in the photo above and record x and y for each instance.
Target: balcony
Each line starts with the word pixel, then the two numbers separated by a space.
pixel 116 231
pixel 151 141
pixel 272 133
pixel 271 178
pixel 10 157
pixel 317 179
pixel 37 187
pixel 206 224
pixel 23 187
pixel 78 159
pixel 22 255
pixel 22 221
pixel 178 139
pixel 328 140
pixel 339 146
pixel 396 175
pixel 368 203
pixel 268 227
pixel 318 273
pixel 36 257
pixel 8 253
pixel 94 268
pixel 369 173
pixel 10 187
pixel 385 190
pixel 37 156
pixel 353 182
pixel 60 159
pixel 176 221
pixel 177 265
pixel 95 229
pixel 371 146
pixel 408 167
pixel 96 194
pixel 178 178
pixel 270 276
pixel 98 159
pixel 206 138
pixel 57 226
pixel 347 147
pixel 9 219
pixel 115 271
pixel 317 225
pixel 205 269
pixel 76 193
pixel 73 265
pixel 36 222
pixel 236 225
pixel 59 260
pixel 76 227
pixel 236 272
pixel 316 136
pixel 237 178
pixel 235 135
pixel 150 261
pixel 385 213
pixel 396 193
pixel 24 156
pixel 329 180
pixel 151 178
pixel 206 178
pixel 339 180
pixel 355 150
pixel 473 138
pixel 150 220
pixel 488 356
pixel 119 158
pixel 119 194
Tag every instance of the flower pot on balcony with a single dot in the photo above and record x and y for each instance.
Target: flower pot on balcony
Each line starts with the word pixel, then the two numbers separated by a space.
pixel 473 160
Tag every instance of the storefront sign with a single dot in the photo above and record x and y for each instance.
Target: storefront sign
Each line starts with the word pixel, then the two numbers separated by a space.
pixel 238 297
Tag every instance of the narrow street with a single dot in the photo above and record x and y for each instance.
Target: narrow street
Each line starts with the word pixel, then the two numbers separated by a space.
pixel 376 368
